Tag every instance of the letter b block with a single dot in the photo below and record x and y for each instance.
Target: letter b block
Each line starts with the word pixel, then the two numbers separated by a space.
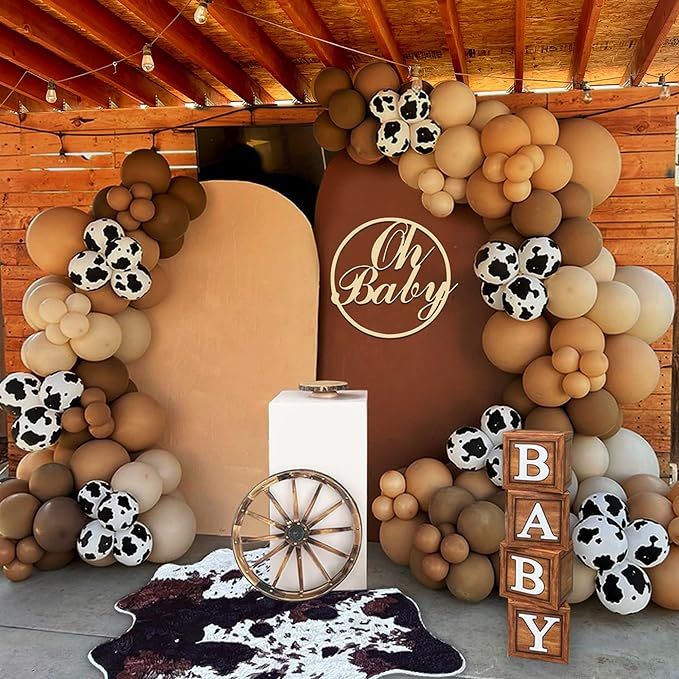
pixel 538 634
pixel 537 461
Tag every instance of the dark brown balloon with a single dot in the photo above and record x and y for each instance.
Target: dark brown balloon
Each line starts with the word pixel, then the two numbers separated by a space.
pixel 98 459
pixel 515 397
pixel 595 415
pixel 170 248
pixel 100 207
pixel 118 198
pixel 97 414
pixel 11 486
pixel 92 395
pixel 51 480
pixel 447 503
pixel 146 165
pixel 131 387
pixel 141 190
pixel 29 551
pixel 575 201
pixel 191 192
pixel 110 375
pixel 58 523
pixel 347 109
pixel 73 440
pixel 539 215
pixel 16 515
pixel 127 221
pixel 53 561
pixel 579 240
pixel 328 81
pixel 510 235
pixel 171 219
pixel 548 419
pixel 364 140
pixel 142 209
pixel 328 135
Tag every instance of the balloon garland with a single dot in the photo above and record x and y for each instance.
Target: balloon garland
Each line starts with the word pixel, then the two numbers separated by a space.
pixel 79 417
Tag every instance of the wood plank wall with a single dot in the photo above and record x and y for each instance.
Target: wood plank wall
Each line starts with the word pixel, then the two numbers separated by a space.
pixel 638 221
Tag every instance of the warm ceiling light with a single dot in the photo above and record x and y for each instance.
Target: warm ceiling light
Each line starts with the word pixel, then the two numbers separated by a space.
pixel 201 13
pixel 147 63
pixel 664 87
pixel 586 92
pixel 51 94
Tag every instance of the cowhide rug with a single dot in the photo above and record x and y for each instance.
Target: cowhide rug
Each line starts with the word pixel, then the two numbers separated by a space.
pixel 205 621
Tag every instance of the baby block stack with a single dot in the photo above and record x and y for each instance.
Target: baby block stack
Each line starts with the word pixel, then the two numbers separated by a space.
pixel 536 558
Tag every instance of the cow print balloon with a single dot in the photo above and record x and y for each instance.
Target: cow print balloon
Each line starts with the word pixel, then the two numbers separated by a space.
pixel 37 428
pixel 605 504
pixel 600 542
pixel 89 271
pixel 95 542
pixel 494 465
pixel 384 105
pixel 99 233
pixel 118 511
pixel 496 262
pixel 393 138
pixel 414 106
pixel 424 135
pixel 91 495
pixel 468 448
pixel 539 257
pixel 123 254
pixel 19 391
pixel 491 294
pixel 496 420
pixel 132 284
pixel 133 546
pixel 61 390
pixel 524 298
pixel 624 589
pixel 648 543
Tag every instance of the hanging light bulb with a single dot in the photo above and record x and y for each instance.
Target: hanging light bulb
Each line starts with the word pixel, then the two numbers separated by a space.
pixel 51 94
pixel 664 88
pixel 147 63
pixel 201 13
pixel 415 78
pixel 586 92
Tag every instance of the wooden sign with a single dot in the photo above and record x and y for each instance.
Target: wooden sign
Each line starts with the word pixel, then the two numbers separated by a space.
pixel 536 559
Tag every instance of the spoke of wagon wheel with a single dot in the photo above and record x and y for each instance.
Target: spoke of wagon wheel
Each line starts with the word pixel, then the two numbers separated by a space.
pixel 328 548
pixel 317 492
pixel 269 554
pixel 295 500
pixel 264 519
pixel 327 531
pixel 263 538
pixel 326 513
pixel 277 505
pixel 282 566
pixel 316 560
pixel 300 569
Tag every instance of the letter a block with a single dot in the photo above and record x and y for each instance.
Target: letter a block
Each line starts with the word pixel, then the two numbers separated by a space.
pixel 537 633
pixel 540 519
pixel 537 461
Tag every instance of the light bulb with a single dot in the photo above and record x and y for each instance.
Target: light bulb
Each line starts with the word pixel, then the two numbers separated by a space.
pixel 201 13
pixel 51 94
pixel 415 79
pixel 147 63
pixel 586 93
pixel 664 88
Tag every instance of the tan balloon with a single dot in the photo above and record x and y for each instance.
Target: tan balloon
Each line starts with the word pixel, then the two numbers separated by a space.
pixel 515 397
pixel 431 181
pixel 538 215
pixel 427 538
pixel 7 551
pixel 173 526
pixel 544 127
pixel 447 503
pixel 51 480
pixel 572 292
pixel 548 419
pixel 392 483
pixel 511 345
pixel 74 325
pixel 363 140
pixel 565 360
pixel 494 167
pixel 598 414
pixel 406 506
pixel 505 134
pixel 327 82
pixel 486 110
pixel 477 483
pixel 584 582
pixel 482 524
pixel 458 151
pixel 441 204
pixel 580 333
pixel 101 341
pixel 12 485
pixel 347 109
pixel 452 103
pixel 29 551
pixel 457 188
pixel 383 508
pixel 328 135
pixel 575 201
pixel 424 477
pixel 665 581
pixel 396 538
pixel 142 209
pixel 140 480
pixel 645 483
pixel 140 421
pixel 555 172
pixel 45 288
pixel 633 370
pixel 593 363
pixel 454 548
pixel 516 191
pixel 118 198
pixel 576 385
pixel 420 568
pixel 98 459
pixel 53 561
pixel 535 154
pixel 17 571
pixel 31 461
pixel 519 168
pixel 650 506
pixel 43 358
pixel 616 308
pixel 16 515
pixel 603 267
pixel 136 335
pixel 473 579
pixel 543 384
pixel 411 164
pixel 105 301
pixel 486 198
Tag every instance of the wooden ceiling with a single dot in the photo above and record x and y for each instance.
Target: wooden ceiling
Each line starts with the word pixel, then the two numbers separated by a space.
pixel 501 44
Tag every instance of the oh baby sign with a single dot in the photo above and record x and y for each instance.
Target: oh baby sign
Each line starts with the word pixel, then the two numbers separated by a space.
pixel 404 269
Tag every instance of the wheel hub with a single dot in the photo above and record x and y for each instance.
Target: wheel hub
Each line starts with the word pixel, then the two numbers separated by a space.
pixel 296 533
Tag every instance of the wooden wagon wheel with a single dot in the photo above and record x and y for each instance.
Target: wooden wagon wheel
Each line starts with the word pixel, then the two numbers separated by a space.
pixel 295 534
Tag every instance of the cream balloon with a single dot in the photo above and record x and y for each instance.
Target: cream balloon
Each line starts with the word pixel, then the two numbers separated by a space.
pixel 589 456
pixel 173 526
pixel 597 484
pixel 47 287
pixel 79 303
pixel 616 309
pixel 101 341
pixel 572 292
pixel 452 103
pixel 486 111
pixel 458 151
pixel 167 466
pixel 141 481
pixel 441 204
pixel 584 579
pixel 43 358
pixel 603 267
pixel 457 188
pixel 136 334
pixel 630 454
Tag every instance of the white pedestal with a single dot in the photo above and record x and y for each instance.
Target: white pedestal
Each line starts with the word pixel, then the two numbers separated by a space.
pixel 329 435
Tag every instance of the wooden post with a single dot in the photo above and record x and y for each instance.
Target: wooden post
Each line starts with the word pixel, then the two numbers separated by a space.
pixel 536 557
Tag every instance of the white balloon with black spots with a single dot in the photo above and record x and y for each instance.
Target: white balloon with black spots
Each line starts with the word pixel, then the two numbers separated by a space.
pixel 468 448
pixel 94 542
pixel 89 271
pixel 498 419
pixel 624 589
pixel 19 391
pixel 424 135
pixel 605 504
pixel 37 428
pixel 61 390
pixel 132 284
pixel 99 233
pixel 118 511
pixel 600 543
pixel 491 293
pixel 496 262
pixel 649 544
pixel 123 254
pixel 384 105
pixel 539 257
pixel 494 465
pixel 414 106
pixel 393 138
pixel 133 546
pixel 91 495
pixel 524 298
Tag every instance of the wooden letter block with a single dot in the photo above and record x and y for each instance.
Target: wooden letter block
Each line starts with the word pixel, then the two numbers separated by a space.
pixel 537 461
pixel 537 633
pixel 536 575
pixel 541 519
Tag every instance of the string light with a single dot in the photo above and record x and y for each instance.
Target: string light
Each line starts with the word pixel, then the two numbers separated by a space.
pixel 586 92
pixel 415 78
pixel 51 94
pixel 147 63
pixel 201 13
pixel 62 150
pixel 664 87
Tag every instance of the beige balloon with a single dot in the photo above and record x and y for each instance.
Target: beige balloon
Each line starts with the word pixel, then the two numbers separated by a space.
pixel 544 127
pixel 102 341
pixel 140 480
pixel 457 188
pixel 43 358
pixel 555 172
pixel 79 303
pixel 603 267
pixel 48 287
pixel 52 309
pixel 452 103
pixel 572 292
pixel 136 335
pixel 431 181
pixel 441 204
pixel 173 527
pixel 54 334
pixel 584 579
pixel 166 464
pixel 616 308
pixel 73 324
pixel 458 151
pixel 411 164
pixel 486 198
pixel 486 110
pixel 589 456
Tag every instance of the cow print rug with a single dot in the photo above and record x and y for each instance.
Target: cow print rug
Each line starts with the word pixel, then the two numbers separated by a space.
pixel 205 621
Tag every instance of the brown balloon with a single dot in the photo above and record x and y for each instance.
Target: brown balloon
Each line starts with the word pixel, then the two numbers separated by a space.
pixel 7 551
pixel 140 421
pixel 447 503
pixel 29 551
pixel 427 538
pixel 473 579
pixel 53 561
pixel 575 201
pixel 191 192
pixel 651 506
pixel 111 376
pixel 665 581
pixel 100 207
pixel 51 480
pixel 58 523
pixel 105 301
pixel 548 419
pixel 416 563
pixel 16 515
pixel 543 384
pixel 171 219
pixel 515 397
pixel 11 486
pixel 396 538
pixel 160 288
pixel 141 190
pixel 644 483
pixel 118 198
pixel 127 221
pixel 54 236
pixel 499 499
pixel 98 459
pixel 376 76
pixel 17 571
pixel 579 240
pixel 539 215
pixel 435 567
pixel 424 477
pixel 595 415
pixel 477 483
pixel 454 548
pixel 142 209
pixel 482 524
pixel 146 165
pixel 328 81
pixel 170 248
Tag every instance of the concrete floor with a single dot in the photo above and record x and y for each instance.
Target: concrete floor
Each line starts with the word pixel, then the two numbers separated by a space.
pixel 50 622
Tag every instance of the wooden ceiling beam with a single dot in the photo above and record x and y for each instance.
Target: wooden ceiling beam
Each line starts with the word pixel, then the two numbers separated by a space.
pixel 191 41
pixel 49 32
pixel 14 101
pixel 657 28
pixel 589 19
pixel 39 60
pixel 250 35
pixel 306 19
pixel 451 27
pixel 519 43
pixel 122 39
pixel 373 11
